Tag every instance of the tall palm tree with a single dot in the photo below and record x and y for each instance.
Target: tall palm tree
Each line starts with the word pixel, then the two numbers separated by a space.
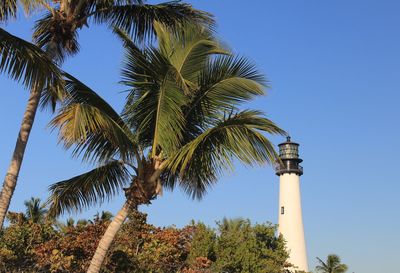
pixel 25 62
pixel 57 32
pixel 35 210
pixel 181 126
pixel 332 265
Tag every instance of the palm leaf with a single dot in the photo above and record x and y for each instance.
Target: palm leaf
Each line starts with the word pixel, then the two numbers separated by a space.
pixel 25 62
pixel 197 165
pixel 225 82
pixel 141 66
pixel 8 9
pixel 322 267
pixel 157 96
pixel 93 187
pixel 31 6
pixel 138 19
pixel 91 125
pixel 189 51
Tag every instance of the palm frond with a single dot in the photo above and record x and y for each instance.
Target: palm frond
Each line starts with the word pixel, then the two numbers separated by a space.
pixel 189 51
pixel 224 83
pixel 157 96
pixel 31 6
pixel 158 117
pixel 196 166
pixel 78 92
pixel 142 68
pixel 57 36
pixel 91 125
pixel 138 19
pixel 227 81
pixel 25 62
pixel 8 9
pixel 323 266
pixel 93 187
pixel 342 268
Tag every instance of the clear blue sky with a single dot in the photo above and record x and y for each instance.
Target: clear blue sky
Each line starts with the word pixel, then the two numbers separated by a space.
pixel 334 68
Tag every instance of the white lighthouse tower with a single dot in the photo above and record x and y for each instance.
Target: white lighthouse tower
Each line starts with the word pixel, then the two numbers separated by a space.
pixel 290 215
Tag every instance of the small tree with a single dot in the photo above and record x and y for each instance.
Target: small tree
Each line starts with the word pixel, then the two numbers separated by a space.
pixel 19 240
pixel 35 210
pixel 241 247
pixel 203 245
pixel 332 265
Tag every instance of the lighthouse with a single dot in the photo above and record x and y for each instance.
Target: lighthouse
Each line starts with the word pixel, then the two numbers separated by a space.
pixel 290 215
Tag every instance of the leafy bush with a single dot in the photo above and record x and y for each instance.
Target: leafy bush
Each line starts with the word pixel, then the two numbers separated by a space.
pixel 235 246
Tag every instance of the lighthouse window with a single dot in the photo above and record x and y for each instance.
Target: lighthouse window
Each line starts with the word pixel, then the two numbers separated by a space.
pixel 282 210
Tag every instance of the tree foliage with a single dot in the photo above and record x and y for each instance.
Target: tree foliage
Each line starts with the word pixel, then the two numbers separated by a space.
pixel 18 243
pixel 234 246
pixel 333 264
pixel 242 247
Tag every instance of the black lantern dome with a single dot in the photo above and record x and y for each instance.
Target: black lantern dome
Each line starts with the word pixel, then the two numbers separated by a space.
pixel 289 155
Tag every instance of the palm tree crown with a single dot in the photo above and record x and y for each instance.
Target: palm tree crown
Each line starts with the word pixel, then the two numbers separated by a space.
pixel 35 210
pixel 332 265
pixel 181 124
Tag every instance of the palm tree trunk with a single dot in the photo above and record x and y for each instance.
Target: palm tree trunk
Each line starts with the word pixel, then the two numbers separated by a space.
pixel 10 180
pixel 107 239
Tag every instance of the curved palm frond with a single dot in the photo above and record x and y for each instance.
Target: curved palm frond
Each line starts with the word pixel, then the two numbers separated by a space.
pixel 93 187
pixel 342 268
pixel 323 266
pixel 78 92
pixel 8 9
pixel 140 66
pixel 137 19
pixel 25 62
pixel 189 51
pixel 157 97
pixel 89 123
pixel 225 82
pixel 31 6
pixel 197 165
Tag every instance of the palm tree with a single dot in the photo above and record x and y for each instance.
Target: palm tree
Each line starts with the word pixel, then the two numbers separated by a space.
pixel 232 224
pixel 56 33
pixel 25 62
pixel 70 223
pixel 105 216
pixel 35 211
pixel 332 265
pixel 181 126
